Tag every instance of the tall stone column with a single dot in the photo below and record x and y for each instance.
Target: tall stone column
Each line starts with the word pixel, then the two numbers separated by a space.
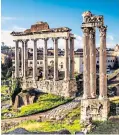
pixel 102 62
pixel 66 59
pixel 34 59
pixel 71 58
pixel 45 75
pixel 22 59
pixel 92 63
pixel 25 59
pixel 86 64
pixel 55 41
pixel 16 59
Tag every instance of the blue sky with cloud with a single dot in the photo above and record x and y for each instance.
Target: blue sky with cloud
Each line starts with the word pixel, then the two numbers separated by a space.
pixel 20 14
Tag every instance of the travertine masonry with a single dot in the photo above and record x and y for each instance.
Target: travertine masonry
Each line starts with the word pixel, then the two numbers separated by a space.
pixel 63 88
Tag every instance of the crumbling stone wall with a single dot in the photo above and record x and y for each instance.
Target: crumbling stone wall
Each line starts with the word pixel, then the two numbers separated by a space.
pixel 60 87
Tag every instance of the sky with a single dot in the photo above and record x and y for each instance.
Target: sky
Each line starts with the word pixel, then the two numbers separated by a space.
pixel 18 15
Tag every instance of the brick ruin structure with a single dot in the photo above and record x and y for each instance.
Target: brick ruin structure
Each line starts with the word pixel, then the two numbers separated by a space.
pixel 91 105
pixel 41 30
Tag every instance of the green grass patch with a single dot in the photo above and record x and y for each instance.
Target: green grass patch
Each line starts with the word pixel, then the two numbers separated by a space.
pixel 71 122
pixel 44 102
pixel 4 88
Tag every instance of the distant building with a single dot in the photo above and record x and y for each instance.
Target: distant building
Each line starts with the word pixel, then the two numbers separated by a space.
pixel 3 58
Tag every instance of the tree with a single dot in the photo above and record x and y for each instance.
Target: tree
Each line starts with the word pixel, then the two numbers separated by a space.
pixel 116 65
pixel 16 91
pixel 8 62
pixel 9 73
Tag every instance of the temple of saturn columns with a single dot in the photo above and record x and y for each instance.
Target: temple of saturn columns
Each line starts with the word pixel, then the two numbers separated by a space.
pixel 66 87
pixel 92 106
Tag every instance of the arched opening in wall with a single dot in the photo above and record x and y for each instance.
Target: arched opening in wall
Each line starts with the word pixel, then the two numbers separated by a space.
pixel 61 61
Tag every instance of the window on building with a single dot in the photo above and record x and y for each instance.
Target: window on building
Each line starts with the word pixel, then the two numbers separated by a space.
pixel 38 62
pixel 61 66
pixel 30 62
pixel 41 62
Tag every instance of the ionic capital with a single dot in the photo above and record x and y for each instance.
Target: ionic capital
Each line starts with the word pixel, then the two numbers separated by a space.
pixel 55 39
pixel 16 41
pixel 45 39
pixel 66 38
pixel 35 40
pixel 86 31
pixel 102 31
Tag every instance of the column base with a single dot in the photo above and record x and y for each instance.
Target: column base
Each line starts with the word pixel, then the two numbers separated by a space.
pixel 87 97
pixel 102 98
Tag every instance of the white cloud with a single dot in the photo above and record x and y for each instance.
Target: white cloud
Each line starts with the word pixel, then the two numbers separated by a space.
pixel 7 38
pixel 5 19
pixel 17 28
pixel 78 42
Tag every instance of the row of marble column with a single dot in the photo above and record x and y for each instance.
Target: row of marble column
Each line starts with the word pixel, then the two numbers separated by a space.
pixel 24 58
pixel 89 59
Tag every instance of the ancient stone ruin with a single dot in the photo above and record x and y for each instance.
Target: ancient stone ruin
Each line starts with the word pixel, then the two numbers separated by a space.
pixel 91 106
pixel 41 30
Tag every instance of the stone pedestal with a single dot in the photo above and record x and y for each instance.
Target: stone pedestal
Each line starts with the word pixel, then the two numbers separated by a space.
pixel 95 108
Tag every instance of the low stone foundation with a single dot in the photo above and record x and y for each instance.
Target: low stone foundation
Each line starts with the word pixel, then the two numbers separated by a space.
pixel 61 87
pixel 95 109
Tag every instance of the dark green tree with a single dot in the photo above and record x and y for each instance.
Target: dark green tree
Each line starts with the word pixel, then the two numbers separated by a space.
pixel 16 91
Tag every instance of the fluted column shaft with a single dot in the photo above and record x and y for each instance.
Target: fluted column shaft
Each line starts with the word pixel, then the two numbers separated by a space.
pixel 34 59
pixel 71 58
pixel 92 63
pixel 66 59
pixel 45 75
pixel 55 41
pixel 25 58
pixel 16 59
pixel 86 66
pixel 103 76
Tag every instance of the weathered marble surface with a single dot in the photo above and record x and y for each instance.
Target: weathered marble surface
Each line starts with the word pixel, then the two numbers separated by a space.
pixel 95 108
